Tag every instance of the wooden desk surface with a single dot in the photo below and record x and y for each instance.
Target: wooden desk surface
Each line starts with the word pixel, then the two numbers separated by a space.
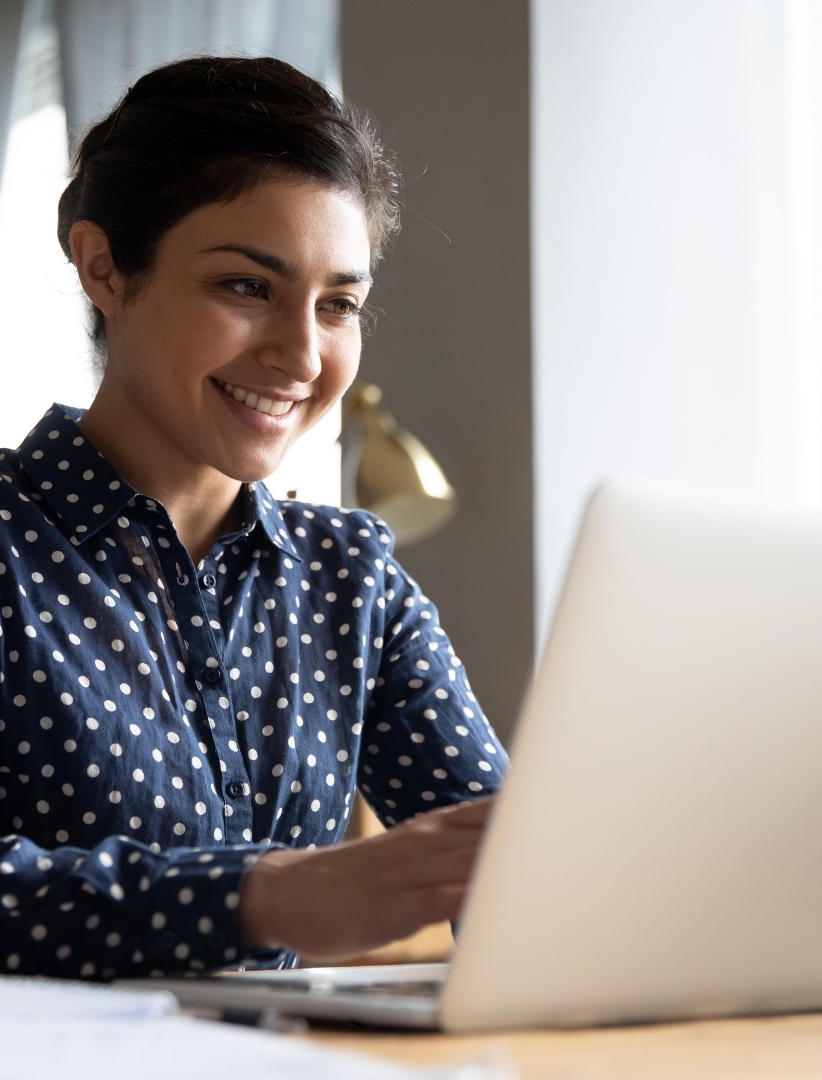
pixel 782 1048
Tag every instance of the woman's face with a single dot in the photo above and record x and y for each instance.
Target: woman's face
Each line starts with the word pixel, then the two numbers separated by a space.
pixel 248 328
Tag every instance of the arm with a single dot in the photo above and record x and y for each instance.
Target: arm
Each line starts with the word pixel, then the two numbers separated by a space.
pixel 119 909
pixel 425 744
pixel 426 741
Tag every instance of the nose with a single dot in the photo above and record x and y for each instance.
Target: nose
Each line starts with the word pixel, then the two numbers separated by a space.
pixel 292 345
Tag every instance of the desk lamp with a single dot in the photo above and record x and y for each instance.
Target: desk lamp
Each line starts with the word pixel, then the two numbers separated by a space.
pixel 388 471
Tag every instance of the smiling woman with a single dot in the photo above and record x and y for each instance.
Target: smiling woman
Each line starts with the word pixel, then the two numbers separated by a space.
pixel 194 679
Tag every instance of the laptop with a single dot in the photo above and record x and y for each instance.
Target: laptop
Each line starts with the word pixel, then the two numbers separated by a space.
pixel 656 852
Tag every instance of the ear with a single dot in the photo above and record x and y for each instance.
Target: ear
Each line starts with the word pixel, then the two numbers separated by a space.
pixel 101 282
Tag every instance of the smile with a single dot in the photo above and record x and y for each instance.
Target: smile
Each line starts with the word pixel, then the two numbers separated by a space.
pixel 252 401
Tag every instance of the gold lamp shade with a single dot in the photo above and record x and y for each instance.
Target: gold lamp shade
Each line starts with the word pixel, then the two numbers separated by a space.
pixel 388 471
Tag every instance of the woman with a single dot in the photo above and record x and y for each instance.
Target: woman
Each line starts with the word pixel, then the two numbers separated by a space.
pixel 193 680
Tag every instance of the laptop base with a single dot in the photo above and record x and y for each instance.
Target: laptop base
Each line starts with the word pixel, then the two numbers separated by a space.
pixel 403 996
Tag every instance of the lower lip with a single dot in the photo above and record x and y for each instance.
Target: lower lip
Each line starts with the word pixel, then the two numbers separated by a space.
pixel 262 423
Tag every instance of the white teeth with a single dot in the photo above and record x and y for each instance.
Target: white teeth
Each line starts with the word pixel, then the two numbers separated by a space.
pixel 261 404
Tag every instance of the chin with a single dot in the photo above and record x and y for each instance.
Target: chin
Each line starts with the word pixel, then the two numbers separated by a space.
pixel 248 471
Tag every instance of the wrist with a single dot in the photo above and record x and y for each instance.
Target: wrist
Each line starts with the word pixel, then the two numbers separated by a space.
pixel 263 907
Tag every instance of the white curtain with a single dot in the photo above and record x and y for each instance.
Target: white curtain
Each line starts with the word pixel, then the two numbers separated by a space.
pixel 11 23
pixel 107 44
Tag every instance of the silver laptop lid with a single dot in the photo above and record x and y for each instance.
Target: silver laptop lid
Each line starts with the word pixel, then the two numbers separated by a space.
pixel 657 851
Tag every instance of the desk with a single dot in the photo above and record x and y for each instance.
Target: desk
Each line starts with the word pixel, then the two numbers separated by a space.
pixel 783 1048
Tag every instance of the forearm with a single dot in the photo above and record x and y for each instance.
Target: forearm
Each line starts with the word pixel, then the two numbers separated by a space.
pixel 119 909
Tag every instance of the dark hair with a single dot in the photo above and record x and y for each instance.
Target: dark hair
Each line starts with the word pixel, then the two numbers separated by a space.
pixel 204 130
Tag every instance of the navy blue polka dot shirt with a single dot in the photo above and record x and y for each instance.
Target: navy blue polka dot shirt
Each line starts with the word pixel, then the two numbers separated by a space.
pixel 162 723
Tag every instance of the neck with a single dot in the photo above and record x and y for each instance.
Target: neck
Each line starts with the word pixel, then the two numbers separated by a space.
pixel 202 502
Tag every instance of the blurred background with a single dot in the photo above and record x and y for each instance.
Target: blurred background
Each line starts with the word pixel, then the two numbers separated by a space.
pixel 611 255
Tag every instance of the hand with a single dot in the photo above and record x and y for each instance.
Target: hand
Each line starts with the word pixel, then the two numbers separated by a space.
pixel 333 903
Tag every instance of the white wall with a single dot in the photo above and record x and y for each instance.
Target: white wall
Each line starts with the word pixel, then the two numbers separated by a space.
pixel 675 287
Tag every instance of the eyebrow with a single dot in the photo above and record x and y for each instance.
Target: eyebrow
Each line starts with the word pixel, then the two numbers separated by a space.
pixel 285 270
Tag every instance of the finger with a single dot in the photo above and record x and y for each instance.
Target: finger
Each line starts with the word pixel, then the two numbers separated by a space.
pixel 463 815
pixel 444 902
pixel 430 835
pixel 425 842
pixel 428 865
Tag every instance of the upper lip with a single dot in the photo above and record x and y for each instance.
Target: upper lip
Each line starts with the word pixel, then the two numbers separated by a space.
pixel 267 392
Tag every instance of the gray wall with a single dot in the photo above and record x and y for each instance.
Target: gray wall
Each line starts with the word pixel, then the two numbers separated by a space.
pixel 447 81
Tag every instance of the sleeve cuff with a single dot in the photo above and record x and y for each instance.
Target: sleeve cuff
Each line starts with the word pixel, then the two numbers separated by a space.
pixel 193 915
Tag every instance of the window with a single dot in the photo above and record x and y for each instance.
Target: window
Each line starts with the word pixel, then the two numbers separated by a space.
pixel 43 349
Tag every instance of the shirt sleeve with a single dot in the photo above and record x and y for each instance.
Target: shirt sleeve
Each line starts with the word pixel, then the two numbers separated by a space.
pixel 120 909
pixel 426 741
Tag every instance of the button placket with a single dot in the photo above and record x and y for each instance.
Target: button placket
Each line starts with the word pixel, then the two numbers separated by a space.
pixel 236 783
pixel 212 683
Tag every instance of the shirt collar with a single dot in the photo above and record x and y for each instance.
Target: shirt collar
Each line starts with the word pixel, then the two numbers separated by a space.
pixel 76 481
pixel 261 509
pixel 86 492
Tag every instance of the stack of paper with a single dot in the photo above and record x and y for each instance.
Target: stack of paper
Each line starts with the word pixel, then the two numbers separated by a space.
pixel 74 1031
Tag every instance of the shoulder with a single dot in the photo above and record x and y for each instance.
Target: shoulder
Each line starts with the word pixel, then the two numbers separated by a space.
pixel 319 532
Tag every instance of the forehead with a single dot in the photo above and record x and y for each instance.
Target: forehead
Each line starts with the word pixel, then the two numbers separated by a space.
pixel 298 220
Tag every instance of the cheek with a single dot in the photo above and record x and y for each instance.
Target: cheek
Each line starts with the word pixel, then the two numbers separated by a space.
pixel 191 339
pixel 340 363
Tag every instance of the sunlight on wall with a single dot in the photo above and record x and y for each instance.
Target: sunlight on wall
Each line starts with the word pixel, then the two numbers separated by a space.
pixel 677 253
pixel 312 467
pixel 43 348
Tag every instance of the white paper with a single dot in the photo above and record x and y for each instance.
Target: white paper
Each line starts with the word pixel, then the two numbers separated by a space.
pixel 71 1031
pixel 24 1000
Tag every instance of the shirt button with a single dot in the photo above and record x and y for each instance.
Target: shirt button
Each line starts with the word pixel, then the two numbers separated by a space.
pixel 208 581
pixel 234 788
pixel 213 675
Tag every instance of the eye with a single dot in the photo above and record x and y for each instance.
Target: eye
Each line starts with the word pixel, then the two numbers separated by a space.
pixel 249 288
pixel 343 307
